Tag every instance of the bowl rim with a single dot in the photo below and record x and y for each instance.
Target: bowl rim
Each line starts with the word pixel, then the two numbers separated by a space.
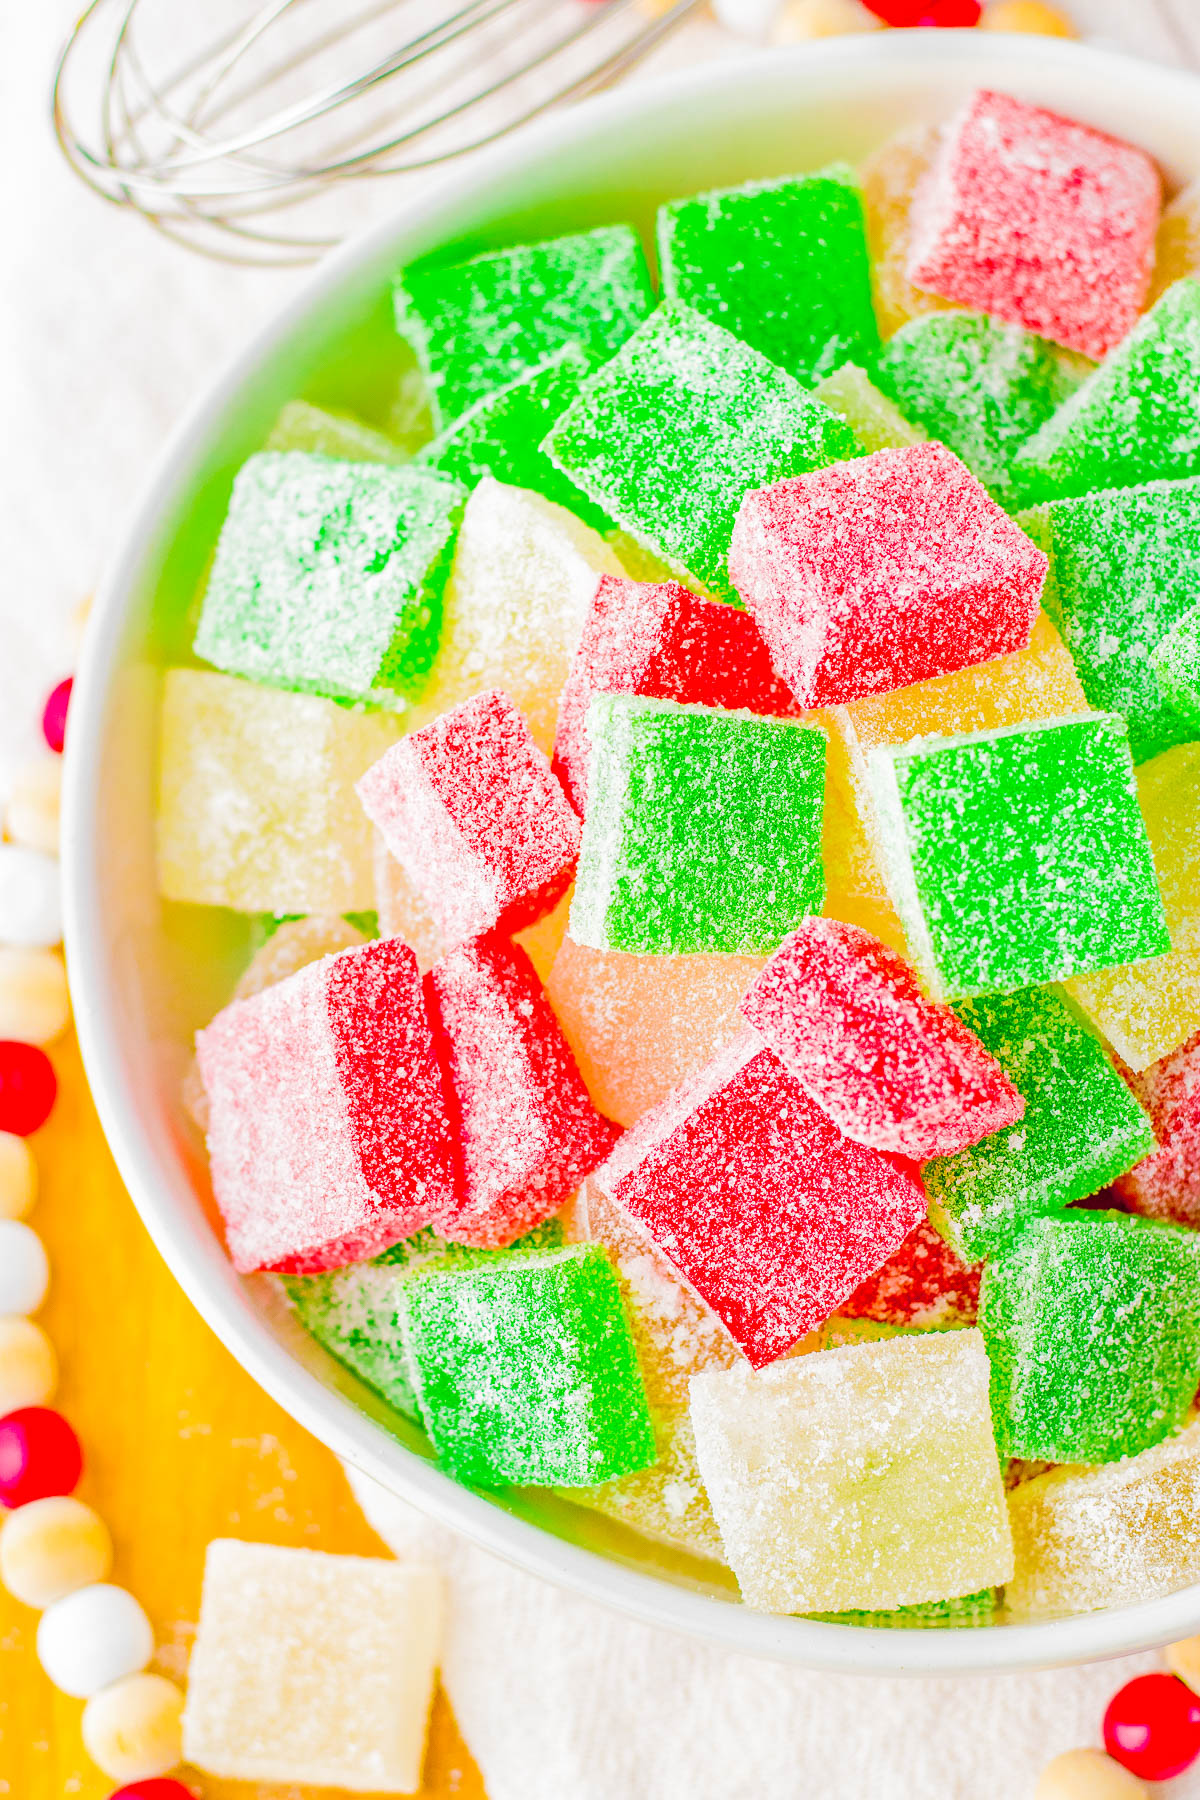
pixel 185 1243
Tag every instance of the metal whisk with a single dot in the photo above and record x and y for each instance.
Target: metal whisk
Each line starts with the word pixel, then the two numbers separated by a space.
pixel 241 128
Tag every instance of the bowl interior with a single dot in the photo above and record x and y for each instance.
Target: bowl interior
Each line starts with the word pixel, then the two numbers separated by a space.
pixel 145 975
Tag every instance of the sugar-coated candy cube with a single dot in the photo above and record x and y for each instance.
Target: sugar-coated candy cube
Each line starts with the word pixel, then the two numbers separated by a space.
pixel 1089 1538
pixel 403 913
pixel 328 1132
pixel 1081 1126
pixel 658 640
pixel 1134 419
pixel 666 1502
pixel 639 1025
pixel 1092 1325
pixel 526 1128
pixel 891 177
pixel 683 421
pixel 876 421
pixel 1178 249
pixel 923 1284
pixel 1166 1184
pixel 522 580
pixel 1177 666
pixel 847 1017
pixel 469 806
pixel 857 1478
pixel 979 386
pixel 881 572
pixel 1144 1009
pixel 963 1612
pixel 1121 574
pixel 1039 220
pixel 526 1371
pixel 502 433
pixel 328 576
pixel 312 1668
pixel 758 1200
pixel 1169 796
pixel 782 264
pixel 478 325
pixel 312 429
pixel 256 807
pixel 1018 856
pixel 703 830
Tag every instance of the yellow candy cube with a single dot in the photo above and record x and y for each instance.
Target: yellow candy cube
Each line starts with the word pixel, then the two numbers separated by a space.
pixel 876 421
pixel 1178 241
pixel 890 178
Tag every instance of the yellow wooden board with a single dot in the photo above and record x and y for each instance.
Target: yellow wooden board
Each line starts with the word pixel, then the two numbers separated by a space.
pixel 181 1447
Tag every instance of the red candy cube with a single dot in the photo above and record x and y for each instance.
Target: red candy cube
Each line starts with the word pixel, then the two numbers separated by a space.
pixel 873 574
pixel 660 641
pixel 329 1137
pixel 1166 1184
pixel 847 1017
pixel 468 805
pixel 1038 220
pixel 527 1130
pixel 759 1201
pixel 923 1283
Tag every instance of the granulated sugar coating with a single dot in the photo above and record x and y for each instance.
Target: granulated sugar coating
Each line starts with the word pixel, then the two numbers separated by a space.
pixel 476 326
pixel 328 576
pixel 683 421
pixel 1145 1009
pixel 1039 220
pixel 1081 1126
pixel 703 830
pixel 1177 666
pixel 256 806
pixel 1018 856
pixel 1092 1325
pixel 847 1017
pixel 883 572
pixel 758 1200
pixel 876 421
pixel 977 385
pixel 526 1129
pixel 1166 1185
pixel 468 805
pixel 522 580
pixel 858 1478
pixel 658 640
pixel 1135 419
pixel 922 1284
pixel 328 1136
pixel 781 264
pixel 639 1025
pixel 1110 1536
pixel 1122 572
pixel 891 176
pixel 313 1669
pixel 526 1370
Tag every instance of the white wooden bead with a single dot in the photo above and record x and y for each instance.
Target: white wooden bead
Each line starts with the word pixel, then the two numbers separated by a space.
pixel 132 1730
pixel 31 816
pixel 24 1268
pixel 1088 1775
pixel 51 1548
pixel 747 18
pixel 28 1365
pixel 30 898
pixel 18 1177
pixel 802 20
pixel 94 1637
pixel 35 1005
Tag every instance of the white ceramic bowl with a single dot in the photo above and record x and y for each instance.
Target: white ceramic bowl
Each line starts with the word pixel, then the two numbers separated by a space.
pixel 145 976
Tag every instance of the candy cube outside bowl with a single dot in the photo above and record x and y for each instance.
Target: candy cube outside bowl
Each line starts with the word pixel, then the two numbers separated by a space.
pixel 145 975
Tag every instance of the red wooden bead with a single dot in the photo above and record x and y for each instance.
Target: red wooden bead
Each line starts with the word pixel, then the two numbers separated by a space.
pixel 899 12
pixel 1152 1727
pixel 54 715
pixel 39 1456
pixel 27 1087
pixel 160 1787
pixel 951 13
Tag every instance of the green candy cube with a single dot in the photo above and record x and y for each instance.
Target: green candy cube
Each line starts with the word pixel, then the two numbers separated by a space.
pixel 526 1371
pixel 781 264
pixel 965 1613
pixel 1177 667
pixel 1081 1129
pixel 703 830
pixel 1017 856
pixel 479 325
pixel 328 576
pixel 501 435
pixel 683 421
pixel 980 386
pixel 1123 571
pixel 1092 1326
pixel 1134 420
